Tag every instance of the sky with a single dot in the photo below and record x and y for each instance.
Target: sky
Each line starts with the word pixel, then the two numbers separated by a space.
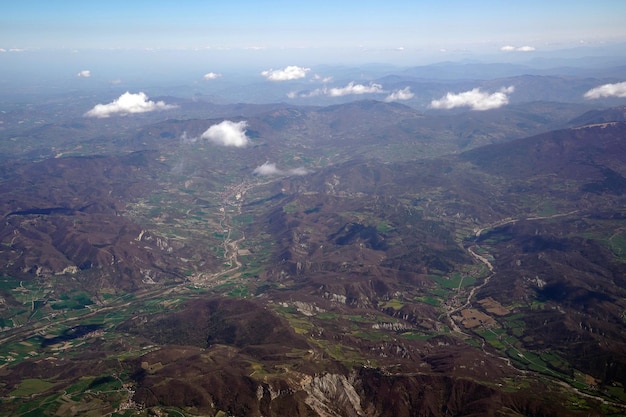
pixel 141 42
pixel 405 26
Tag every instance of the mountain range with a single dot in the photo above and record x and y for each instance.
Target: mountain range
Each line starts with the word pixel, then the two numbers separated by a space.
pixel 358 259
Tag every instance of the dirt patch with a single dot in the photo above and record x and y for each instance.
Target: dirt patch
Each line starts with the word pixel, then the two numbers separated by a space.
pixel 492 306
pixel 472 318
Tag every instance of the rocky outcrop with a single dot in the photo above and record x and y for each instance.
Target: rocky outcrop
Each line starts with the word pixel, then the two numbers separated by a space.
pixel 333 395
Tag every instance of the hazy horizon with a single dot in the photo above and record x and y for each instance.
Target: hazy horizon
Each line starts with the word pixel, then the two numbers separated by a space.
pixel 57 46
pixel 323 32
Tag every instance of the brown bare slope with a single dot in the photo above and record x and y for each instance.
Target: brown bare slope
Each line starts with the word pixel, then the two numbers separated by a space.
pixel 361 278
pixel 64 215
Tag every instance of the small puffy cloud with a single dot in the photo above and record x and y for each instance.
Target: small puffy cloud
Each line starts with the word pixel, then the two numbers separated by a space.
pixel 2 50
pixel 267 170
pixel 186 139
pixel 84 74
pixel 227 133
pixel 319 78
pixel 607 90
pixel 270 169
pixel 353 88
pixel 474 99
pixel 211 76
pixel 510 48
pixel 128 103
pixel 307 94
pixel 404 94
pixel 298 171
pixel 291 72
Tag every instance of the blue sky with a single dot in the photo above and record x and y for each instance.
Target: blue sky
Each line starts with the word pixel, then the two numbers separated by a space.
pixel 210 45
pixel 45 42
pixel 410 25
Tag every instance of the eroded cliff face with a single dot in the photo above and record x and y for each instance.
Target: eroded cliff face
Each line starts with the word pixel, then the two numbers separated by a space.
pixel 333 395
pixel 365 392
pixel 242 358
pixel 369 392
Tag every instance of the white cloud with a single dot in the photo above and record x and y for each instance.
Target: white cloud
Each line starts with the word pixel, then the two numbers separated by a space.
pixel 270 169
pixel 267 170
pixel 298 171
pixel 2 50
pixel 292 72
pixel 511 48
pixel 227 133
pixel 474 99
pixel 84 74
pixel 353 88
pixel 128 103
pixel 349 89
pixel 211 76
pixel 404 94
pixel 184 138
pixel 321 79
pixel 607 90
pixel 306 94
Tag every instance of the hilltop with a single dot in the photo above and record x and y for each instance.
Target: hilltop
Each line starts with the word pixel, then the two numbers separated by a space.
pixel 390 261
